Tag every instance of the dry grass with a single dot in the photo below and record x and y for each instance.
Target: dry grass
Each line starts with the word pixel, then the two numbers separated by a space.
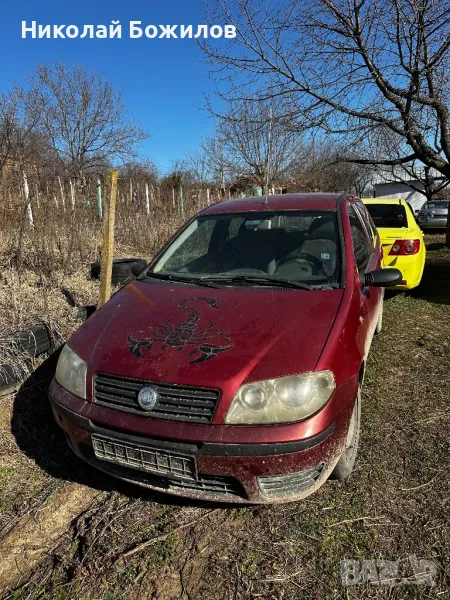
pixel 40 267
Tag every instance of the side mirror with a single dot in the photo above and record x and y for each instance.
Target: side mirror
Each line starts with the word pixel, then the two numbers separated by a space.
pixel 381 278
pixel 137 268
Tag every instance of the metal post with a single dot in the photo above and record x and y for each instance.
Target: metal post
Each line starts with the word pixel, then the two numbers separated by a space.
pixel 72 193
pixel 99 199
pixel 147 200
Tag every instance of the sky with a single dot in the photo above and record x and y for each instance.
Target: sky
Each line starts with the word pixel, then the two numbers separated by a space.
pixel 163 80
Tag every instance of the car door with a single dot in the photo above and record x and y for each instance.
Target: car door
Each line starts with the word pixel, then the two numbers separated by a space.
pixel 367 254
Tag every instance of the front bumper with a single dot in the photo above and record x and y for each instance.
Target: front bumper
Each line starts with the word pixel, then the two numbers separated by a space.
pixel 224 472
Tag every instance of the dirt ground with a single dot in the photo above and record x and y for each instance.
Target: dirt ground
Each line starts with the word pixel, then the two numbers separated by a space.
pixel 69 532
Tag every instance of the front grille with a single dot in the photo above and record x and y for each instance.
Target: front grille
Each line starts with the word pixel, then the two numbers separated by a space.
pixel 282 486
pixel 205 485
pixel 145 458
pixel 175 402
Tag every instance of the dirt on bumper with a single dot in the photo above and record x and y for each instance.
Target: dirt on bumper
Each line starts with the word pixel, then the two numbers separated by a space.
pixel 218 478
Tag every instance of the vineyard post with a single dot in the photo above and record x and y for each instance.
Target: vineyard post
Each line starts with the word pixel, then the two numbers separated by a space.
pixel 61 188
pixel 99 199
pixel 147 199
pixel 181 201
pixel 108 243
pixel 26 191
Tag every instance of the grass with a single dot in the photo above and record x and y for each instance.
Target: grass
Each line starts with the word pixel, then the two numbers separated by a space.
pixel 395 504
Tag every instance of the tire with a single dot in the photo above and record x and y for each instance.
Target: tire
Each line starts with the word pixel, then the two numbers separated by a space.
pixel 346 462
pixel 84 312
pixel 95 269
pixel 10 379
pixel 33 341
pixel 379 325
pixel 122 269
pixel 8 376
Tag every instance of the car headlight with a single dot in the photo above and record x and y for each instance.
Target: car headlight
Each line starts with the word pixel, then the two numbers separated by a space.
pixel 281 400
pixel 71 372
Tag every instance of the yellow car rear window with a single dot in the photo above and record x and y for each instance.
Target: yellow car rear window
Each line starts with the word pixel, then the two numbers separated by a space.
pixel 388 215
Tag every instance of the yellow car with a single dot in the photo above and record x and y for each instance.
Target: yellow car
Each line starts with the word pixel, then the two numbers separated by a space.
pixel 401 238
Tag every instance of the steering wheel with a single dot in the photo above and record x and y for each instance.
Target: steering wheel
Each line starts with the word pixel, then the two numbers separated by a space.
pixel 303 257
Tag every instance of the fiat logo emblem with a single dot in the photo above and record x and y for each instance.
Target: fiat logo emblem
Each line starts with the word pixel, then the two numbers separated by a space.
pixel 147 398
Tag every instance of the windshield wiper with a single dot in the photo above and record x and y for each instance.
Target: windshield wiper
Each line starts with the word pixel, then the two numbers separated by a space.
pixel 258 280
pixel 176 279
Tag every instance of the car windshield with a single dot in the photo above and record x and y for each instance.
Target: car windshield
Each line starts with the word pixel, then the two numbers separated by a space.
pixel 388 215
pixel 440 205
pixel 289 246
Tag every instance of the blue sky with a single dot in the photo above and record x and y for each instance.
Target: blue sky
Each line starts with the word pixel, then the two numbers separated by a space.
pixel 163 80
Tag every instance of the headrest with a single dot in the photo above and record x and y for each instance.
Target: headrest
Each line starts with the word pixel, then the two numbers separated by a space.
pixel 322 228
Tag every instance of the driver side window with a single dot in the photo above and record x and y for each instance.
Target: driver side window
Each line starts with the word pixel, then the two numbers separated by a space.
pixel 362 245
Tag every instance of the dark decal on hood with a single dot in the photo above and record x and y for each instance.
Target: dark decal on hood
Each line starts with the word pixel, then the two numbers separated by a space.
pixel 207 341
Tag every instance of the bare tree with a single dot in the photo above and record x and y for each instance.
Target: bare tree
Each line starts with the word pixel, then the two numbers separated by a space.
pixel 383 151
pixel 82 116
pixel 319 169
pixel 259 141
pixel 423 180
pixel 20 141
pixel 197 162
pixel 9 128
pixel 348 66
pixel 222 170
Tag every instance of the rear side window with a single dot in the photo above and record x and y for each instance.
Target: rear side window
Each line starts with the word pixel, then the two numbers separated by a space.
pixel 371 230
pixel 362 245
pixel 388 215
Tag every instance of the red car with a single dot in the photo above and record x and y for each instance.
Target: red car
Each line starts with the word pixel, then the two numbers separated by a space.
pixel 231 368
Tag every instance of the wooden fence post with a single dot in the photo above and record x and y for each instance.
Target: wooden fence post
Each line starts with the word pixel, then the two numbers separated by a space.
pixel 108 243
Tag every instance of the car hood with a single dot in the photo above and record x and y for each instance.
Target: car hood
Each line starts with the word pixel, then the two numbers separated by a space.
pixel 207 337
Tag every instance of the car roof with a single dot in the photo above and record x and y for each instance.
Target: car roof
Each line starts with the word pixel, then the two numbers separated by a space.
pixel 316 201
pixel 384 201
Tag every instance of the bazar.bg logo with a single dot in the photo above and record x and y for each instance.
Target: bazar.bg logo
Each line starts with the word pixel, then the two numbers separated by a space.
pixel 389 572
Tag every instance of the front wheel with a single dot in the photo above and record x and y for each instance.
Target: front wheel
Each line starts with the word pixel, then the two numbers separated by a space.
pixel 345 464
